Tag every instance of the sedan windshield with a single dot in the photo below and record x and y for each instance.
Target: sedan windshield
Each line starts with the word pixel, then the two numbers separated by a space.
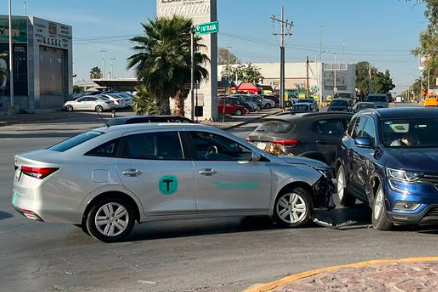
pixel 412 133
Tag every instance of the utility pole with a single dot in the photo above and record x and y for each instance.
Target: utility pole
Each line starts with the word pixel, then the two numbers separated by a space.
pixel 25 8
pixel 112 67
pixel 11 60
pixel 307 78
pixel 369 79
pixel 103 63
pixel 285 25
pixel 335 81
pixel 320 70
pixel 192 75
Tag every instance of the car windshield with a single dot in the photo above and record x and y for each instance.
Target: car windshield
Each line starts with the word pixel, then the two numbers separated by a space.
pixel 366 105
pixel 343 95
pixel 275 127
pixel 339 103
pixel 376 98
pixel 412 133
pixel 301 107
pixel 75 141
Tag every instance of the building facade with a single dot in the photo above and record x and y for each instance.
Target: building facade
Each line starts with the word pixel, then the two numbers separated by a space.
pixel 43 62
pixel 331 77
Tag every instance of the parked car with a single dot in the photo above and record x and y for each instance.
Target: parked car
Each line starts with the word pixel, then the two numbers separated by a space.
pixel 388 159
pixel 87 93
pixel 266 102
pixel 309 100
pixel 245 98
pixel 95 103
pixel 106 179
pixel 231 109
pixel 312 135
pixel 251 107
pixel 119 101
pixel 379 100
pixel 274 98
pixel 127 97
pixel 302 108
pixel 340 105
pixel 362 106
pixel 127 120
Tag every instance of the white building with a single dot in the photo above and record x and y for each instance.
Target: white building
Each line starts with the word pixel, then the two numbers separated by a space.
pixel 316 74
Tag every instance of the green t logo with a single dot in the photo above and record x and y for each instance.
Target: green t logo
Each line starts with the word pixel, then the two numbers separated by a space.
pixel 168 184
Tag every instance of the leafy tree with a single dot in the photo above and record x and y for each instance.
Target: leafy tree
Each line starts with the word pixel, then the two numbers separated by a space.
pixel 380 82
pixel 225 56
pixel 248 73
pixel 162 60
pixel 95 73
pixel 144 103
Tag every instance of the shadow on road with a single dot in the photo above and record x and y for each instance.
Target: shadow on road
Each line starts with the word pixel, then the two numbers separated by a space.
pixel 4 215
pixel 358 216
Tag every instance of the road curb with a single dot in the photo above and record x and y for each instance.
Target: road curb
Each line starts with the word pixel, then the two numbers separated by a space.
pixel 296 277
pixel 249 121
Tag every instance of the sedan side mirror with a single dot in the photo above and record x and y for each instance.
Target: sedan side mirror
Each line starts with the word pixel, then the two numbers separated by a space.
pixel 255 157
pixel 363 142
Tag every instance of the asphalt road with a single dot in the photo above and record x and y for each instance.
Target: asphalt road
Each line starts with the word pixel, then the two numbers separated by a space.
pixel 199 255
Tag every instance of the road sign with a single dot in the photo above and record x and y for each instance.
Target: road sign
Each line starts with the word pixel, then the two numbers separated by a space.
pixel 206 28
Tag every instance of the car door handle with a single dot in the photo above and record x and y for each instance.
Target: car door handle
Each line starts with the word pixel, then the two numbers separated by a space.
pixel 208 172
pixel 132 172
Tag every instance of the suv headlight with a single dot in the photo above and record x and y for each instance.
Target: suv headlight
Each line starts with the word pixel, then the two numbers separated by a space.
pixel 402 175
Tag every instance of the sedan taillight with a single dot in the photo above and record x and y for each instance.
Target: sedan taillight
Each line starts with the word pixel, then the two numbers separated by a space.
pixel 38 172
pixel 287 143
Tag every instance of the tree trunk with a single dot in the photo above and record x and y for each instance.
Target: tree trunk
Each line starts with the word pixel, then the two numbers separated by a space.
pixel 179 103
pixel 164 105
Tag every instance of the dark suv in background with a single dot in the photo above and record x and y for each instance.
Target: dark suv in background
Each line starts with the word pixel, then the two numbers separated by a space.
pixel 388 158
pixel 311 135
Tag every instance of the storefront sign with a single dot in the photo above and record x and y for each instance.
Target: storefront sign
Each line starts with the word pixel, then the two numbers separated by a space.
pixel 52 34
pixel 19 30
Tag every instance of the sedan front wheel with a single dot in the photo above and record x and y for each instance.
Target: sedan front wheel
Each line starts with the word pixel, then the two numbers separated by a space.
pixel 293 208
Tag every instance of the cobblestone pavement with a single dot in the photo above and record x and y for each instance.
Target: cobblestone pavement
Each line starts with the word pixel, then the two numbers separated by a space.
pixel 398 277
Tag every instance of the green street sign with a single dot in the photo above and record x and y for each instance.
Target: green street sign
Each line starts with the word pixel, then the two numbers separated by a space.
pixel 206 28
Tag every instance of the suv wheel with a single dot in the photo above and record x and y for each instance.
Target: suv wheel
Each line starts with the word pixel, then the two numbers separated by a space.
pixel 380 218
pixel 110 220
pixel 345 199
pixel 293 208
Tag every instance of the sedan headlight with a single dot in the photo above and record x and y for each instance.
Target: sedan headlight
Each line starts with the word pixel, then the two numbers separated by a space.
pixel 402 175
pixel 326 172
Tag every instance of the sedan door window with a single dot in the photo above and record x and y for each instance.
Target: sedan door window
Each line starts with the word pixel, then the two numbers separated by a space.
pixel 210 146
pixel 153 146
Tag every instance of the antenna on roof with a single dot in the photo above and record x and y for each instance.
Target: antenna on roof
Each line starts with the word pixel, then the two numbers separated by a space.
pixel 103 120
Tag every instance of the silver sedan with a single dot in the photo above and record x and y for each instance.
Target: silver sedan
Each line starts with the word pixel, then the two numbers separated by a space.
pixel 106 179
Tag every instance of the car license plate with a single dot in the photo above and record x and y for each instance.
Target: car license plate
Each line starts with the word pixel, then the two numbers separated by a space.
pixel 262 145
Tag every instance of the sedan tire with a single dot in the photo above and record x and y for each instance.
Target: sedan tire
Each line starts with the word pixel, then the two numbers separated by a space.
pixel 293 208
pixel 267 106
pixel 238 113
pixel 69 108
pixel 99 109
pixel 110 220
pixel 345 198
pixel 379 215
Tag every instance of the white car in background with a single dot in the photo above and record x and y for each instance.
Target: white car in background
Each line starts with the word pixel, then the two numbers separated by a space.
pixel 127 97
pixel 95 103
pixel 118 101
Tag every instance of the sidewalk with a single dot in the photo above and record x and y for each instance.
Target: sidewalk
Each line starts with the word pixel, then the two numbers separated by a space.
pixel 416 274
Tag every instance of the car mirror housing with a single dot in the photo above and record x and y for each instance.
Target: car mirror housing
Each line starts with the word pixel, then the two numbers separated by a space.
pixel 363 142
pixel 255 157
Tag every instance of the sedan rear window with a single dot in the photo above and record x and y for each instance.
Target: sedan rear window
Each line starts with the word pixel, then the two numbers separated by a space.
pixel 376 98
pixel 75 141
pixel 276 127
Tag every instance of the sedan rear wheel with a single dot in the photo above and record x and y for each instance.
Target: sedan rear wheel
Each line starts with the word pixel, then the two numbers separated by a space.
pixel 99 109
pixel 267 106
pixel 293 208
pixel 238 112
pixel 110 220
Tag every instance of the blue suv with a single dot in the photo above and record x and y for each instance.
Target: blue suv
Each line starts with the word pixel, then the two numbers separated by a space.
pixel 388 158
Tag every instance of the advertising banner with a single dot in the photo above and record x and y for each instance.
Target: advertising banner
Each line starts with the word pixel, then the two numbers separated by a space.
pixel 20 69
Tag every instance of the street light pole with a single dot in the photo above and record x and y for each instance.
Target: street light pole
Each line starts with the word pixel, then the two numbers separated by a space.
pixel 335 89
pixel 112 67
pixel 103 63
pixel 11 59
pixel 192 73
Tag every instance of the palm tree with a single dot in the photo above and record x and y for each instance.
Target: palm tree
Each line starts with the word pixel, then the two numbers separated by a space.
pixel 162 59
pixel 95 73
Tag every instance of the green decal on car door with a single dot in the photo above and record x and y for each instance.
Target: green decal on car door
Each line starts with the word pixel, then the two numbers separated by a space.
pixel 168 184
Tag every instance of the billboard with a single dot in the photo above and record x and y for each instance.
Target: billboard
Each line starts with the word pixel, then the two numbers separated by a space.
pixel 19 37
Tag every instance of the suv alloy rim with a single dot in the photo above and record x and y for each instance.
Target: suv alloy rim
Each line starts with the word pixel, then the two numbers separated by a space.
pixel 340 184
pixel 291 208
pixel 111 219
pixel 378 204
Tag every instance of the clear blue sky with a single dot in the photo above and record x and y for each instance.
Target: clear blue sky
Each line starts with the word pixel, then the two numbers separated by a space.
pixel 380 31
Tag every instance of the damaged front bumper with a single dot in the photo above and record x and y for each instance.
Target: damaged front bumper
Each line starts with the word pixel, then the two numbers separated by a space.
pixel 323 193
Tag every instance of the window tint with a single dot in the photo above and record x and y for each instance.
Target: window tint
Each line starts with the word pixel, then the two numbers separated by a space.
pixel 153 146
pixel 369 130
pixel 215 147
pixel 276 127
pixel 75 141
pixel 332 127
pixel 357 131
pixel 351 127
pixel 108 149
